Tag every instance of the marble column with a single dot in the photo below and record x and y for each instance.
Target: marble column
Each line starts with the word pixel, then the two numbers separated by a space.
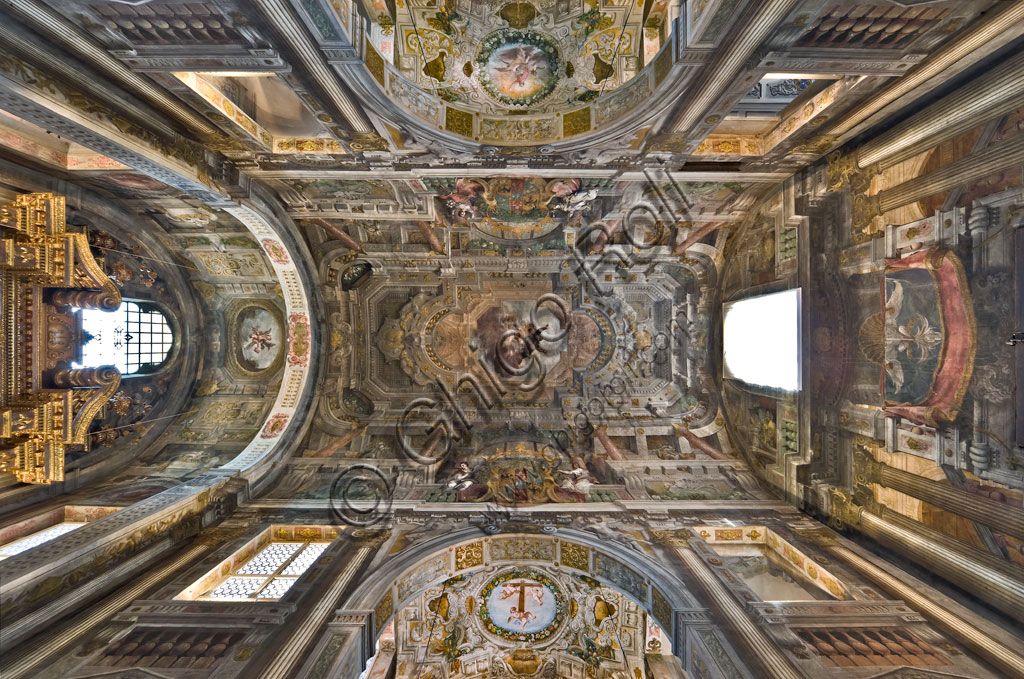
pixel 999 516
pixel 285 663
pixel 987 647
pixel 975 166
pixel 86 299
pixel 764 653
pixel 700 444
pixel 983 575
pixel 991 95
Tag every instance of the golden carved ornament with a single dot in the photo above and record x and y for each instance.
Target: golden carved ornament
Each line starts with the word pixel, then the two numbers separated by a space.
pixel 843 509
pixel 865 468
pixel 673 538
pixel 371 141
pixel 44 270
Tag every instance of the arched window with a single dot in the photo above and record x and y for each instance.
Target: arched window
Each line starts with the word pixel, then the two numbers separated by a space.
pixel 135 338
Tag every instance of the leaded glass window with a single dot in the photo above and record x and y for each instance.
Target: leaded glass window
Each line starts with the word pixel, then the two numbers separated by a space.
pixel 269 574
pixel 135 338
pixel 35 539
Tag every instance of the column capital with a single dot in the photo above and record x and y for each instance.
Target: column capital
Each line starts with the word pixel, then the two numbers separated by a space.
pixel 843 508
pixel 866 469
pixel 673 538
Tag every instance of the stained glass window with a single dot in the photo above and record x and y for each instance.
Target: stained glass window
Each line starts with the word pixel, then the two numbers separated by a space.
pixel 135 338
pixel 35 539
pixel 269 574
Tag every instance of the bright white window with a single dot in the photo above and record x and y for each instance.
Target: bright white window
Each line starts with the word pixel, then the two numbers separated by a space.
pixel 134 338
pixel 35 539
pixel 269 574
pixel 761 340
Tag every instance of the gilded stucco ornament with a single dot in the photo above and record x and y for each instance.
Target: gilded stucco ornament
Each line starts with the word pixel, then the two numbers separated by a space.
pixel 370 141
pixel 816 145
pixel 370 538
pixel 843 510
pixel 865 210
pixel 673 538
pixel 866 469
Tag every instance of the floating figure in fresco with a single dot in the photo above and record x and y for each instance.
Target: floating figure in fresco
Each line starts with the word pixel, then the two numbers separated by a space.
pixel 461 480
pixel 517 345
pixel 522 617
pixel 510 589
pixel 579 479
pixel 519 70
pixel 260 340
pixel 570 198
pixel 916 334
pixel 462 201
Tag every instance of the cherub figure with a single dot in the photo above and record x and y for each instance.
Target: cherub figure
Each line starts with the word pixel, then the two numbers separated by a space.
pixel 522 617
pixel 260 340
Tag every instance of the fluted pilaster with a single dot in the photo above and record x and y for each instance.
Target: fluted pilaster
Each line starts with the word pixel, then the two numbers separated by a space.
pixel 721 74
pixel 286 662
pixel 975 166
pixel 738 624
pixel 981 574
pixel 62 635
pixel 996 515
pixel 990 96
pixel 1009 19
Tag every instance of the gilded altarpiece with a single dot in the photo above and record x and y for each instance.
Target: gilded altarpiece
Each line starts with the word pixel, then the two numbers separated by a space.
pixel 45 404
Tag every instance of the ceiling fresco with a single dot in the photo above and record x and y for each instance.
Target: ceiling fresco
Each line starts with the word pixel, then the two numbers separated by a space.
pixel 521 56
pixel 448 281
pixel 525 620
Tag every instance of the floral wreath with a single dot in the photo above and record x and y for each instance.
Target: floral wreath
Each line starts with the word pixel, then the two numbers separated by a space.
pixel 530 574
pixel 499 39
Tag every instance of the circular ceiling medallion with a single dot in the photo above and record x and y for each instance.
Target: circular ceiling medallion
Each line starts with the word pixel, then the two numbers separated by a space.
pixel 522 605
pixel 518 68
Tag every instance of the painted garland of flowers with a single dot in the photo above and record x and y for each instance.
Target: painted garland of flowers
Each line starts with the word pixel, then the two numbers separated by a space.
pixel 529 574
pixel 536 58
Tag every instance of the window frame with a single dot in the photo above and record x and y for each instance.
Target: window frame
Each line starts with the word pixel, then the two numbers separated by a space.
pixel 149 306
pixel 33 525
pixel 200 588
pixel 761 389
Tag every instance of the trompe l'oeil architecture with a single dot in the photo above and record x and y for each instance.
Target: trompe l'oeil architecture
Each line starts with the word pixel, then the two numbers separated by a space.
pixel 528 339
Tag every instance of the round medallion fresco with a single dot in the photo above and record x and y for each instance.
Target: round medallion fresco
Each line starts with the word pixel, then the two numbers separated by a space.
pixel 522 605
pixel 518 68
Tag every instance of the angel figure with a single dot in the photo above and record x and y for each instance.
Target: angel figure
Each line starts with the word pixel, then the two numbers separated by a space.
pixel 518 66
pixel 259 340
pixel 578 480
pixel 461 480
pixel 522 617
pixel 461 201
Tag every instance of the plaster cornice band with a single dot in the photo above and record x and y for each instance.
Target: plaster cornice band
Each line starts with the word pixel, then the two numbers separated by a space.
pixel 723 71
pixel 292 32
